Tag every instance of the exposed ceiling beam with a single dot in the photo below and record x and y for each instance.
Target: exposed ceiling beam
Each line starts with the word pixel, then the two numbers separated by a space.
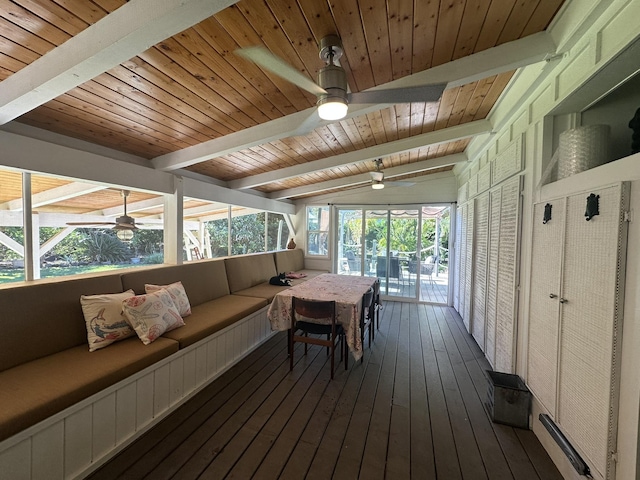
pixel 54 195
pixel 365 178
pixel 493 61
pixel 431 138
pixel 116 38
pixel 150 203
pixel 205 209
pixel 502 58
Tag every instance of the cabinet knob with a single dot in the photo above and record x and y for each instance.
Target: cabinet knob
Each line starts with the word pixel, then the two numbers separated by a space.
pixel 564 300
pixel 552 295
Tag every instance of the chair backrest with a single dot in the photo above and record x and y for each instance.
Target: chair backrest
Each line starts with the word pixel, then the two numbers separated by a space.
pixel 367 299
pixel 427 268
pixel 315 309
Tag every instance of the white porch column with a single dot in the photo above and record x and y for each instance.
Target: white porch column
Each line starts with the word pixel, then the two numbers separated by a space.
pixel 173 224
pixel 31 229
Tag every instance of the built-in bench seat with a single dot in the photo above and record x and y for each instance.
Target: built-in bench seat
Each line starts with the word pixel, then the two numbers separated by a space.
pixel 36 390
pixel 57 397
pixel 212 306
pixel 292 261
pixel 45 362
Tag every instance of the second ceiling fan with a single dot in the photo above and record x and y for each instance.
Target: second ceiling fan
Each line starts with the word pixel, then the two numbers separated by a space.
pixel 377 178
pixel 331 89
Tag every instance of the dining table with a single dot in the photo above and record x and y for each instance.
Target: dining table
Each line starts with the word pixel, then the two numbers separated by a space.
pixel 346 290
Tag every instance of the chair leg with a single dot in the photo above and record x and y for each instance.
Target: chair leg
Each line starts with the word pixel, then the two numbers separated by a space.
pixel 346 352
pixel 305 344
pixel 328 338
pixel 333 348
pixel 291 349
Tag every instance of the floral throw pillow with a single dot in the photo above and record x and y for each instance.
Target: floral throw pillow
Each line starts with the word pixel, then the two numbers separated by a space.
pixel 178 295
pixel 104 319
pixel 151 315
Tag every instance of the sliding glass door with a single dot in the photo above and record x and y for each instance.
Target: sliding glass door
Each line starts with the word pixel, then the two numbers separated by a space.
pixel 406 248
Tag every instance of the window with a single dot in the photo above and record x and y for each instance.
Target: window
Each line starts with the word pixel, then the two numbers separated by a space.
pixel 277 232
pixel 247 231
pixel 318 231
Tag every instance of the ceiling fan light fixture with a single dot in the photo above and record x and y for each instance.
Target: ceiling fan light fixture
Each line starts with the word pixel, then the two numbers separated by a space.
pixel 377 185
pixel 125 235
pixel 332 107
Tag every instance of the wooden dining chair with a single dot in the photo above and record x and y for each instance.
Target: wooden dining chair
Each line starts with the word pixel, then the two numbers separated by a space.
pixel 377 305
pixel 366 317
pixel 317 310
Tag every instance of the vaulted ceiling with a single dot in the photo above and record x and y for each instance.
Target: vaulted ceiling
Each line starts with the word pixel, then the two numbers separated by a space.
pixel 163 81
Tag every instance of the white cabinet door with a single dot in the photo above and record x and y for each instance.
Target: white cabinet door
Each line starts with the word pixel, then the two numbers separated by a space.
pixel 480 253
pixel 589 343
pixel 574 334
pixel 544 308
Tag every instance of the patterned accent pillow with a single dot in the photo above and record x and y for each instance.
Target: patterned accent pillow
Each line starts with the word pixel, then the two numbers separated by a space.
pixel 104 320
pixel 178 295
pixel 152 314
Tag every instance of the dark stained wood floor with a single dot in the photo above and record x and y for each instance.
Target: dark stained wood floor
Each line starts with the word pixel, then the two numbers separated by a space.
pixel 412 409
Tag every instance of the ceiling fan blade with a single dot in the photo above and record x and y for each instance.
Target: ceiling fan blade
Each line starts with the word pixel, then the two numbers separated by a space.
pixel 377 176
pixel 399 183
pixel 423 93
pixel 264 58
pixel 308 125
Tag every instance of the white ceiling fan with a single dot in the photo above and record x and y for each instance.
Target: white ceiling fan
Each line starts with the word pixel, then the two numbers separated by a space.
pixel 331 88
pixel 122 223
pixel 377 178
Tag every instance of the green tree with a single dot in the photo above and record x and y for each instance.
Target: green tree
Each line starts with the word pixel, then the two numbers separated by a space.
pixel 105 247
pixel 147 242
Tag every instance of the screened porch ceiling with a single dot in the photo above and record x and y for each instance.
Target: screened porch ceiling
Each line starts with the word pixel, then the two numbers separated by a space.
pixel 161 81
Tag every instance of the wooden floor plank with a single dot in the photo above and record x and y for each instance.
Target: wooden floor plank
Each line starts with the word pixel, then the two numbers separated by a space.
pixel 376 445
pixel 421 443
pixel 146 453
pixel 357 435
pixel 276 386
pixel 413 409
pixel 488 446
pixel 445 453
pixel 326 457
pixel 399 450
pixel 466 444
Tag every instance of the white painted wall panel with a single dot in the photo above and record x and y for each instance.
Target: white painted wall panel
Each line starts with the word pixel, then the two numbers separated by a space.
pixel 77 441
pixel 126 412
pixel 144 403
pixel 104 422
pixel 48 453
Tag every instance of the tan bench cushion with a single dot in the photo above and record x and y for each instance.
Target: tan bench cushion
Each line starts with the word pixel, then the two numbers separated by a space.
pixel 202 280
pixel 289 260
pixel 263 290
pixel 212 316
pixel 45 317
pixel 36 390
pixel 248 271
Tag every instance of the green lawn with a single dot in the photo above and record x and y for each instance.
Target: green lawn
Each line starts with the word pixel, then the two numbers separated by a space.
pixel 17 274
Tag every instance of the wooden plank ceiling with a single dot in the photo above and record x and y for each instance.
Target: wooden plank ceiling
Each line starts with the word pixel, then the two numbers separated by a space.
pixel 192 88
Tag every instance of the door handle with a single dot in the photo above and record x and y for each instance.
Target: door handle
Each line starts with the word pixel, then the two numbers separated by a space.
pixel 564 300
pixel 552 295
